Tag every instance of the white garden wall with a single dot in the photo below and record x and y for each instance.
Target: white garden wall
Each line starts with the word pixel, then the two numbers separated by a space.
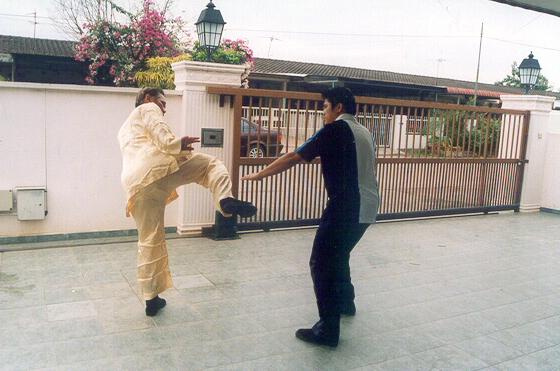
pixel 63 137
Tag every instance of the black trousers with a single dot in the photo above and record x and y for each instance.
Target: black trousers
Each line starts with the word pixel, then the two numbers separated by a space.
pixel 330 265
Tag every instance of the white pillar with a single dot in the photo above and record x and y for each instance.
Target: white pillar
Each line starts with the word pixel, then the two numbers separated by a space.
pixel 551 180
pixel 540 108
pixel 202 110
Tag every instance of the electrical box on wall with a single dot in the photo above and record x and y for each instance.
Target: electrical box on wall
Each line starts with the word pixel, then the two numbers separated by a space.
pixel 31 203
pixel 6 201
pixel 212 137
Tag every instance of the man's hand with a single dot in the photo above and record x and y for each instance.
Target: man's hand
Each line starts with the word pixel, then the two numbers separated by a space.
pixel 187 141
pixel 252 177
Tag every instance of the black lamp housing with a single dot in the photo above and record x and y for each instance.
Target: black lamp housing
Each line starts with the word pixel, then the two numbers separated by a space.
pixel 209 28
pixel 529 71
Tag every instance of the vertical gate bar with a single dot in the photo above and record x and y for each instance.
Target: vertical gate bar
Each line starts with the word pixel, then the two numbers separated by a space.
pixel 421 180
pixel 416 179
pixel 446 182
pixel 385 183
pixel 522 157
pixel 432 130
pixel 471 120
pixel 414 129
pixel 429 186
pixel 315 118
pixel 268 134
pixel 490 182
pixel 383 129
pixel 510 134
pixel 259 126
pixel 454 115
pixel 505 181
pixel 469 188
pixel 237 111
pixel 298 106
pixel 399 125
pixel 487 129
pixel 490 135
pixel 288 124
pixel 402 192
pixel 462 185
pixel 464 128
pixel 391 126
pixel 317 189
pixel 282 206
pixel 438 187
pixel 306 135
pixel 421 153
pixel 518 137
pixel 312 192
pixel 394 186
pixel 506 138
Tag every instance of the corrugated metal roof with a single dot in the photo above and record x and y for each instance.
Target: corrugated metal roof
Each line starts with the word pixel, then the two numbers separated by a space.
pixel 265 66
pixel 31 46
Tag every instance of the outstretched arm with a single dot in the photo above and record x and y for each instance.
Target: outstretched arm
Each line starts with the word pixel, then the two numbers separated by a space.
pixel 279 165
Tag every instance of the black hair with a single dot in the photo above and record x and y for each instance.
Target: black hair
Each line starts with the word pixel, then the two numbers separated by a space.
pixel 152 92
pixel 341 95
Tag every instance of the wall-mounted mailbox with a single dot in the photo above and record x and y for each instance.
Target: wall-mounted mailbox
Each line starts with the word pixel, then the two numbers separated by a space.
pixel 31 203
pixel 211 137
pixel 6 201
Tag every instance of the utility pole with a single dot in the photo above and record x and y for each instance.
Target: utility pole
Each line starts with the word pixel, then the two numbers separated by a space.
pixel 439 60
pixel 478 65
pixel 272 38
pixel 34 23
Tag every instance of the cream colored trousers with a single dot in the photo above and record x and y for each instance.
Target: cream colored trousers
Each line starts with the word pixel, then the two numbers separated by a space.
pixel 153 273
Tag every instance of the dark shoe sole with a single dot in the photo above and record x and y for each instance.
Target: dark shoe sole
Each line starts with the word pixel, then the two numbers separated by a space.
pixel 308 336
pixel 242 208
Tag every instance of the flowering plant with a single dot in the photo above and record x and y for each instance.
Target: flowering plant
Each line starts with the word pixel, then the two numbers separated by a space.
pixel 229 52
pixel 159 73
pixel 115 51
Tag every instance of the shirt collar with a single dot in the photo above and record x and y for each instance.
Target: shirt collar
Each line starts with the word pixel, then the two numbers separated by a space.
pixel 346 117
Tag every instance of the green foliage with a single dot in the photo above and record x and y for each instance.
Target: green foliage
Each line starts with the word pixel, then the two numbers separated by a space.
pixel 514 80
pixel 2 78
pixel 159 72
pixel 229 52
pixel 471 134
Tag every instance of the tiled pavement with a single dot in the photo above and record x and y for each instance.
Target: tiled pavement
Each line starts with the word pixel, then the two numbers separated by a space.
pixel 464 293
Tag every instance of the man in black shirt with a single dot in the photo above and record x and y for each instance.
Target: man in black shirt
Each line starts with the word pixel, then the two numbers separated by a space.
pixel 347 153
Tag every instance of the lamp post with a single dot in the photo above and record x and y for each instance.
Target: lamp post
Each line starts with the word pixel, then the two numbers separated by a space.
pixel 529 70
pixel 209 28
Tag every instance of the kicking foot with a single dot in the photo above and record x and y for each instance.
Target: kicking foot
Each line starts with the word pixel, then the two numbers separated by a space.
pixel 154 305
pixel 232 205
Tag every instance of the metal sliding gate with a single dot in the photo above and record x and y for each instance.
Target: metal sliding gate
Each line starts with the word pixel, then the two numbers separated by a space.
pixel 432 158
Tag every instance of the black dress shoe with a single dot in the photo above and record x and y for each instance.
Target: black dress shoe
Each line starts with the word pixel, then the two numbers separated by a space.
pixel 348 309
pixel 307 335
pixel 154 305
pixel 325 332
pixel 232 205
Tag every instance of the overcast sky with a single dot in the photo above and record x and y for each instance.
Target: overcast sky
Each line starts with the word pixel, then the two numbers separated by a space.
pixel 424 37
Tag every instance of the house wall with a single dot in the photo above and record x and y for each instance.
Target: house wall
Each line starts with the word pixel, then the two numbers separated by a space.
pixel 50 70
pixel 63 137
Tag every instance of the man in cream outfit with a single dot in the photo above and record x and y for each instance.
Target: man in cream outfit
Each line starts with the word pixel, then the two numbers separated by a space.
pixel 155 163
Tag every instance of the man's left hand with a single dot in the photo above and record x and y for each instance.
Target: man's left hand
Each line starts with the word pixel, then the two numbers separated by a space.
pixel 187 141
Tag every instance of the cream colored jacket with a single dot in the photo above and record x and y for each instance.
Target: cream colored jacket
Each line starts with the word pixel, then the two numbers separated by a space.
pixel 149 149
